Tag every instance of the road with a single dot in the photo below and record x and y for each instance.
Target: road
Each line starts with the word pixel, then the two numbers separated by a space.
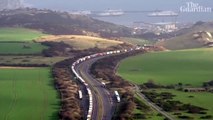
pixel 102 99
pixel 103 106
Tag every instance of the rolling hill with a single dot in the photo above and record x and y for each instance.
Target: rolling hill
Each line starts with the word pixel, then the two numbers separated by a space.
pixel 60 23
pixel 80 42
pixel 196 36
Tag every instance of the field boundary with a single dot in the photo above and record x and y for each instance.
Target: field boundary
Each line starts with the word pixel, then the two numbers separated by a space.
pixel 11 67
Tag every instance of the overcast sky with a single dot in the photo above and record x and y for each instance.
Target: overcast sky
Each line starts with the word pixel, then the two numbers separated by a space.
pixel 114 4
pixel 101 5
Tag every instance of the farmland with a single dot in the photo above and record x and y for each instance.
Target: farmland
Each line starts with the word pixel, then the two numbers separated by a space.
pixel 199 99
pixel 19 34
pixel 18 48
pixel 136 41
pixel 191 67
pixel 19 41
pixel 11 60
pixel 27 93
pixel 173 101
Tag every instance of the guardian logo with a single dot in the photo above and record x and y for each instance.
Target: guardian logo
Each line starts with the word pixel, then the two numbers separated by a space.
pixel 195 7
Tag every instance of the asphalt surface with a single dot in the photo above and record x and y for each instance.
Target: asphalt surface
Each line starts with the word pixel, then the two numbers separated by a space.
pixel 102 99
pixel 103 105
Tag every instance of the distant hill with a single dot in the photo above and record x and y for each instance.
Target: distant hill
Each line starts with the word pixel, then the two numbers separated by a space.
pixel 196 36
pixel 53 22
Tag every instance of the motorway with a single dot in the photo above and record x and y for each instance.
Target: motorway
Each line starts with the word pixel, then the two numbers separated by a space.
pixel 102 99
pixel 103 104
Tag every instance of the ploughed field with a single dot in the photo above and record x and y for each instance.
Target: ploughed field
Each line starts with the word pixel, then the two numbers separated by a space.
pixel 20 41
pixel 189 67
pixel 27 94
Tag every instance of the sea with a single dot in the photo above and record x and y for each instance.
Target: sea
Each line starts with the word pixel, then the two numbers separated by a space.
pixel 130 19
pixel 189 10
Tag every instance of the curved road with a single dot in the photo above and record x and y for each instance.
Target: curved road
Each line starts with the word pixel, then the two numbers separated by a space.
pixel 102 99
pixel 103 106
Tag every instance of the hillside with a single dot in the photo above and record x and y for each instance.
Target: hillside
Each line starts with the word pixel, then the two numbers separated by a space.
pixel 194 37
pixel 53 22
pixel 198 26
pixel 80 42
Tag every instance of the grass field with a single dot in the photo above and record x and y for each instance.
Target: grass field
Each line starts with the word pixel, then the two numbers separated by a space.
pixel 19 34
pixel 30 60
pixel 20 41
pixel 136 41
pixel 202 99
pixel 186 66
pixel 18 48
pixel 27 94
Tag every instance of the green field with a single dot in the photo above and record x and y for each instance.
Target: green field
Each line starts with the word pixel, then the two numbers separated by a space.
pixel 11 60
pixel 18 48
pixel 19 34
pixel 20 41
pixel 27 94
pixel 136 41
pixel 172 67
pixel 202 99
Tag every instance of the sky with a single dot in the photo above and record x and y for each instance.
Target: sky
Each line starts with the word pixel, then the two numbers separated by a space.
pixel 114 4
pixel 126 5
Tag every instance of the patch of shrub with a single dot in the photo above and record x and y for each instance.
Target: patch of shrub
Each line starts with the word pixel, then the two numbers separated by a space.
pixel 177 114
pixel 164 100
pixel 139 116
pixel 185 117
pixel 194 109
pixel 206 117
pixel 206 84
pixel 141 105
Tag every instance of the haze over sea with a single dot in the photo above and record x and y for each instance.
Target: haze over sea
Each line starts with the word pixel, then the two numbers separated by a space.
pixel 132 5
